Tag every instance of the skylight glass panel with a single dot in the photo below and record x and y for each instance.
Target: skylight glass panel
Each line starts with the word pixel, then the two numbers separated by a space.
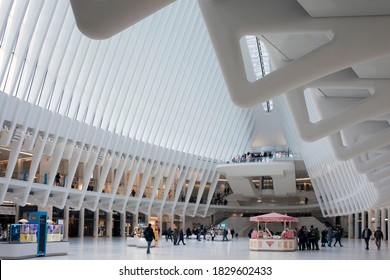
pixel 260 63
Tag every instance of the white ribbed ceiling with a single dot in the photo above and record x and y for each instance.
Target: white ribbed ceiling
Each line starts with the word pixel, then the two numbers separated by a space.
pixel 158 81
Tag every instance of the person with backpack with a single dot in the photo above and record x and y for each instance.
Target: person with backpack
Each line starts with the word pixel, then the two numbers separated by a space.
pixel 225 234
pixel 149 237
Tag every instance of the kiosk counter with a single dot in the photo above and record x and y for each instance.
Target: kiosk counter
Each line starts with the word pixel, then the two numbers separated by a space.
pixel 262 241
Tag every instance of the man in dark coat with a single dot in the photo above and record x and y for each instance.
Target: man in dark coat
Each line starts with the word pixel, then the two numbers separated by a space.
pixel 366 235
pixel 181 237
pixel 149 237
pixel 378 234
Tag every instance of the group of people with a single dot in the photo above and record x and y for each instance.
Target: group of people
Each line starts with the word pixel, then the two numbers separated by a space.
pixel 175 235
pixel 220 199
pixel 251 157
pixel 309 238
pixel 378 236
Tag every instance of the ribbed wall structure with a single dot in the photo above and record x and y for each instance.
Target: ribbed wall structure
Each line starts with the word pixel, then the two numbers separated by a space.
pixel 147 107
pixel 340 190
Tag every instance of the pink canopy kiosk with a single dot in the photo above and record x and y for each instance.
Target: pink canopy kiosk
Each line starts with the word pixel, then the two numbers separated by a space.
pixel 273 218
pixel 264 241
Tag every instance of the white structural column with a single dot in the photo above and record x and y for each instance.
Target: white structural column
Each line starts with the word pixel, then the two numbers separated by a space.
pixel 66 222
pixel 350 226
pixel 81 221
pixel 363 219
pixel 371 214
pixel 123 224
pixel 160 216
pixel 17 213
pixel 109 224
pixel 383 222
pixel 135 220
pixel 387 223
pixel 377 216
pixel 183 224
pixel 172 221
pixel 356 226
pixel 96 224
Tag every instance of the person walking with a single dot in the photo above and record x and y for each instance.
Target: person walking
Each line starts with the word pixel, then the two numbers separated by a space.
pixel 232 232
pixel 337 236
pixel 181 237
pixel 175 235
pixel 378 234
pixel 168 235
pixel 225 234
pixel 366 236
pixel 149 237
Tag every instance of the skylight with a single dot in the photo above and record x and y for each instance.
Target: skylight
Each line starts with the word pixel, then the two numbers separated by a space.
pixel 260 63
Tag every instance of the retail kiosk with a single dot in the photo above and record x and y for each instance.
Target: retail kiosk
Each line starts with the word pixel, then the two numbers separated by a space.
pixel 263 240
pixel 137 239
pixel 34 238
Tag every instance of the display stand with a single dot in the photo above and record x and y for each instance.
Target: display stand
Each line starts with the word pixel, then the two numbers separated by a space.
pixel 29 250
pixel 274 244
pixel 138 240
pixel 34 239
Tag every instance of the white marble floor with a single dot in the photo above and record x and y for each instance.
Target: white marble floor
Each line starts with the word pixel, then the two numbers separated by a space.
pixel 117 249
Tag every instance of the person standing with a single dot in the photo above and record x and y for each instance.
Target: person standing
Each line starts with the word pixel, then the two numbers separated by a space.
pixel 212 233
pixel 378 234
pixel 323 237
pixel 188 233
pixel 198 233
pixel 57 179
pixel 302 238
pixel 329 236
pixel 149 237
pixel 317 238
pixel 366 236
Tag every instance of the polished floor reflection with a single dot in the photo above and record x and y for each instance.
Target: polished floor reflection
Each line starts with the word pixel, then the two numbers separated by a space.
pixel 117 249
